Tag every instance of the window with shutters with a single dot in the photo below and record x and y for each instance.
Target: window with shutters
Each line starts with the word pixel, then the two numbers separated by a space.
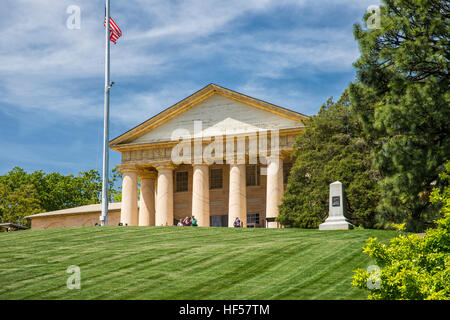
pixel 215 178
pixel 181 181
pixel 252 175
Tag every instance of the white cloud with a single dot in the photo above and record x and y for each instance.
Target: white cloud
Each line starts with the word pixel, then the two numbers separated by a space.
pixel 185 20
pixel 52 77
pixel 135 108
pixel 46 66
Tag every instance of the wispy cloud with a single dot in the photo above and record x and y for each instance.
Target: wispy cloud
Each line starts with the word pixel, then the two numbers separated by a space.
pixel 293 53
pixel 187 20
pixel 45 65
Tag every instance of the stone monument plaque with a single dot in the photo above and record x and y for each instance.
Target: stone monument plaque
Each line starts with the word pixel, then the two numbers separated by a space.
pixel 336 201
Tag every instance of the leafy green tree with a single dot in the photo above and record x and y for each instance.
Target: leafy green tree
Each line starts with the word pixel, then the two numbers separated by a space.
pixel 57 191
pixel 411 266
pixel 17 203
pixel 402 101
pixel 330 148
pixel 25 194
pixel 116 194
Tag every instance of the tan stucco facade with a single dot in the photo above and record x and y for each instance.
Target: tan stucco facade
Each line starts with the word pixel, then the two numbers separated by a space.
pixel 246 141
pixel 75 217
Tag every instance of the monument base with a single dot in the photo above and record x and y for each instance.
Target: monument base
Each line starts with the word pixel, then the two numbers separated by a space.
pixel 336 223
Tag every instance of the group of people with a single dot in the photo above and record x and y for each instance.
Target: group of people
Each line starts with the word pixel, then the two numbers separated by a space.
pixel 188 222
pixel 191 221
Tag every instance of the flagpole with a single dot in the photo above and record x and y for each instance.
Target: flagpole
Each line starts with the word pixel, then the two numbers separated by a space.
pixel 104 216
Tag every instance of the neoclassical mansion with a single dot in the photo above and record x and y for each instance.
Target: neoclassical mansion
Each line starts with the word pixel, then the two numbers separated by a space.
pixel 217 155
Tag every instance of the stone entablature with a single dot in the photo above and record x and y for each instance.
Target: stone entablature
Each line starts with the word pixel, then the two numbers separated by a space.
pixel 141 155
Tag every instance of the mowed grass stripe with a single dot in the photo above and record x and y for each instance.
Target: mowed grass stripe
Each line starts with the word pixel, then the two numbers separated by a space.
pixel 117 264
pixel 260 283
pixel 245 264
pixel 199 264
pixel 183 263
pixel 341 277
pixel 299 285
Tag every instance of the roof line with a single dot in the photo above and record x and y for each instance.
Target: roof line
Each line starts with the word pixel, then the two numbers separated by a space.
pixel 161 112
pixel 214 86
pixel 261 100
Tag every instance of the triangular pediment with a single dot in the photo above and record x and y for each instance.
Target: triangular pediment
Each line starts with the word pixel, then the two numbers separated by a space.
pixel 210 112
pixel 227 126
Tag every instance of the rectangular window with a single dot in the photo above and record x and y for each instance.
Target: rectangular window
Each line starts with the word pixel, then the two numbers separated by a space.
pixel 252 220
pixel 252 175
pixel 286 170
pixel 215 178
pixel 181 181
pixel 218 221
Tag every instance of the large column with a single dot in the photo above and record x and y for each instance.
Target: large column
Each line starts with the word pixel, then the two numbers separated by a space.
pixel 274 188
pixel 237 201
pixel 129 212
pixel 200 194
pixel 147 199
pixel 164 196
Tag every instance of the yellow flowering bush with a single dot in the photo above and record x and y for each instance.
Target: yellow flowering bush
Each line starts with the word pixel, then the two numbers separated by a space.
pixel 412 266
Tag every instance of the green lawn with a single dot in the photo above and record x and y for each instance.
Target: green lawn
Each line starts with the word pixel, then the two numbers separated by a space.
pixel 183 263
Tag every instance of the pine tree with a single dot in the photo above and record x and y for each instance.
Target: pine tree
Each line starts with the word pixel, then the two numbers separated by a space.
pixel 402 101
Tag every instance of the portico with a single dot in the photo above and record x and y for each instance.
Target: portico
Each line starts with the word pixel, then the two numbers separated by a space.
pixel 216 155
pixel 158 196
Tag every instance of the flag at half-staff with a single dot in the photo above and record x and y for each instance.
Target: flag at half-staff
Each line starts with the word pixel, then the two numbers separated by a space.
pixel 114 31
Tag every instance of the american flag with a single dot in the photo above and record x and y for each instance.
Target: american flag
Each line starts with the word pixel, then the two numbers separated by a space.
pixel 114 31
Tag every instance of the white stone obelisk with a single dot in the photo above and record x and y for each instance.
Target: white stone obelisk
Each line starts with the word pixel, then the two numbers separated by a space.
pixel 337 216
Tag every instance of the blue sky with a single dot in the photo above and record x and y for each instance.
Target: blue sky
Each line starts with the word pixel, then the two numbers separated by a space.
pixel 293 53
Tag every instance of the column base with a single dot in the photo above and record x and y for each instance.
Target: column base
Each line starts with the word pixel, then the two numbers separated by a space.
pixel 272 225
pixel 336 223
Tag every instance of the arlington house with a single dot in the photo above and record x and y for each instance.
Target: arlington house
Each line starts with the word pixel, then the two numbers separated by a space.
pixel 216 155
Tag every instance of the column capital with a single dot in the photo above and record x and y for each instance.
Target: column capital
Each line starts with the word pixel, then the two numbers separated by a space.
pixel 147 174
pixel 232 165
pixel 164 166
pixel 201 164
pixel 127 168
pixel 274 157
